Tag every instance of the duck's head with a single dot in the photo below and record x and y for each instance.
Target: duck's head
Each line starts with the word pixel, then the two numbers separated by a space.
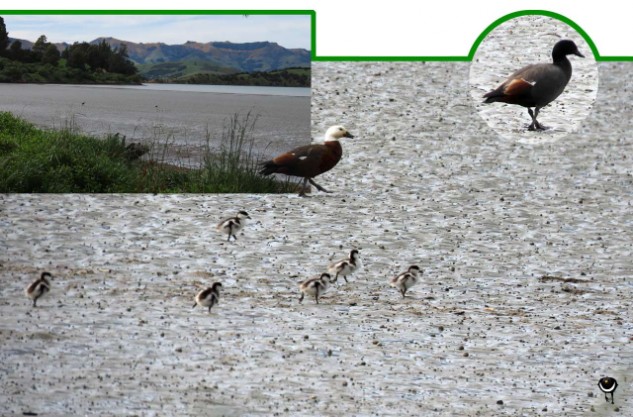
pixel 243 215
pixel 337 132
pixel 326 277
pixel 564 48
pixel 415 270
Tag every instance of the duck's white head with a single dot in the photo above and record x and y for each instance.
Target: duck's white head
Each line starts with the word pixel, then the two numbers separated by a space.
pixel 334 133
pixel 243 215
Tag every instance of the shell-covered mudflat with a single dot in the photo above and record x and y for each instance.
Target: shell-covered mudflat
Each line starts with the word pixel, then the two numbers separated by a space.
pixel 525 301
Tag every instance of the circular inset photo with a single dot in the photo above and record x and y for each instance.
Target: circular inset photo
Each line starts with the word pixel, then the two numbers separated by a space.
pixel 534 78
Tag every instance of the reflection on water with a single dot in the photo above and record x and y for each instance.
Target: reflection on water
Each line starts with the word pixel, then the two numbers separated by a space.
pixel 224 89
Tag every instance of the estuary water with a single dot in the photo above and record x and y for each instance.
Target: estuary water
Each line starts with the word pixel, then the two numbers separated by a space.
pixel 177 121
pixel 225 89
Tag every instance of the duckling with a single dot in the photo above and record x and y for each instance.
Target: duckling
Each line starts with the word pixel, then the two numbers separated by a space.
pixel 608 386
pixel 310 160
pixel 39 288
pixel 315 286
pixel 209 297
pixel 406 280
pixel 232 225
pixel 345 267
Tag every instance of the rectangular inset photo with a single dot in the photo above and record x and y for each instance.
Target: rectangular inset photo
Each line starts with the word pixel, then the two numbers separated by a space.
pixel 152 103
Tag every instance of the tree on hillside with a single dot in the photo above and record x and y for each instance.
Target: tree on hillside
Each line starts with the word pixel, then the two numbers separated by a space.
pixel 77 55
pixel 99 55
pixel 15 51
pixel 50 55
pixel 119 62
pixel 4 37
pixel 40 45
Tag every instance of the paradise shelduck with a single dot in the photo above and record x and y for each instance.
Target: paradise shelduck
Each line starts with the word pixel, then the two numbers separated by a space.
pixel 346 266
pixel 406 280
pixel 232 225
pixel 209 297
pixel 608 386
pixel 39 287
pixel 537 85
pixel 315 286
pixel 310 160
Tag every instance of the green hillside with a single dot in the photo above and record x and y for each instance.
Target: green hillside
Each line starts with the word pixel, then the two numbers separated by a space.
pixel 175 70
pixel 292 77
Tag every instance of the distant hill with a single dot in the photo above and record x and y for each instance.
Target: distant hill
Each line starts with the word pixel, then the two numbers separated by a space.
pixel 25 44
pixel 243 57
pixel 159 60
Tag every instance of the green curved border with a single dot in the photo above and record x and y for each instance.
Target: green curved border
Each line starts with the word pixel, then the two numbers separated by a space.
pixel 514 15
pixel 478 41
pixel 312 14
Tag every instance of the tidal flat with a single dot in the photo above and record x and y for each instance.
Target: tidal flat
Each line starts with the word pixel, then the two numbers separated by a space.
pixel 524 303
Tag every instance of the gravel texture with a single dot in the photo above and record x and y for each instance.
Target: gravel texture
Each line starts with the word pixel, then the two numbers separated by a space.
pixel 524 303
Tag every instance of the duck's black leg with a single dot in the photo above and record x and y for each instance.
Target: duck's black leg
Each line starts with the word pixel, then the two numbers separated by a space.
pixel 301 298
pixel 533 125
pixel 537 124
pixel 318 187
pixel 304 186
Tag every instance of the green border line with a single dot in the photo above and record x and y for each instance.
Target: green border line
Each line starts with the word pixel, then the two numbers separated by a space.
pixel 478 41
pixel 312 14
pixel 556 16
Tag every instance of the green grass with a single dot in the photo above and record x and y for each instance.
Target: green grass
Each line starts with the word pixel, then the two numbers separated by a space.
pixel 48 161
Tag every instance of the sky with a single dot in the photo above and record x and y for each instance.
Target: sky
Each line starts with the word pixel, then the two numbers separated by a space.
pixel 292 31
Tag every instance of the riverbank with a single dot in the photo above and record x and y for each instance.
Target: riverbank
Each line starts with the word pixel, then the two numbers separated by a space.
pixel 33 160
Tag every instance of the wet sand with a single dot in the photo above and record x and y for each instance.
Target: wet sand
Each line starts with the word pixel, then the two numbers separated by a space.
pixel 524 303
pixel 178 121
